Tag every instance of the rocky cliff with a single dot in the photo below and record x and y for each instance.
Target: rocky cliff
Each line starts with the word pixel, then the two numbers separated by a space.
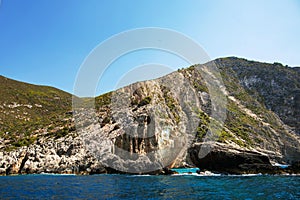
pixel 230 115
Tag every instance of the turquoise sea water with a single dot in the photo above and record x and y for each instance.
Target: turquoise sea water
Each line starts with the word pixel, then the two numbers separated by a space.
pixel 149 187
pixel 185 170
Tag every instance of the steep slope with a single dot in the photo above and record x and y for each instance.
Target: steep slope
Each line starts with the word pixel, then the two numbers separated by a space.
pixel 28 110
pixel 273 85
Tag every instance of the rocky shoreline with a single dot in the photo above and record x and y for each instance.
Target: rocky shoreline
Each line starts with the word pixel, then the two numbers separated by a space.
pixel 67 155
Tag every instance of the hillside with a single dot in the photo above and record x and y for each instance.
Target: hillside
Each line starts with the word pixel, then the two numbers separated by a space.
pixel 172 121
pixel 27 110
pixel 275 86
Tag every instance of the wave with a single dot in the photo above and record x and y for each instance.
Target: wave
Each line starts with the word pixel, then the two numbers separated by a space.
pixel 54 174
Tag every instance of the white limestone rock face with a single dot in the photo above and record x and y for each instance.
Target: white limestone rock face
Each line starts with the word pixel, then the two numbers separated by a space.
pixel 63 155
pixel 151 125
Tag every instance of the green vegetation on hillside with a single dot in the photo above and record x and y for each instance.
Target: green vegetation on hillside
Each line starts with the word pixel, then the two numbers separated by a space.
pixel 26 110
pixel 274 86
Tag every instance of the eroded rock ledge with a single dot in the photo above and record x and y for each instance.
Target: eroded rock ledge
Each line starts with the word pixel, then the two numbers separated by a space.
pixel 230 160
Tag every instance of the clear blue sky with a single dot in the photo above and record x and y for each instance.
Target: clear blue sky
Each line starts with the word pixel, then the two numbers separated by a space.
pixel 46 41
